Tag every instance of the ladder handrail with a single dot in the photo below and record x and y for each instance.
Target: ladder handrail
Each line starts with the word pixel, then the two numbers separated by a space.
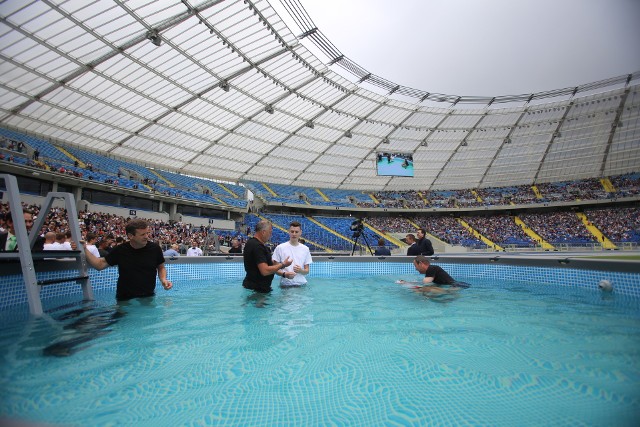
pixel 26 240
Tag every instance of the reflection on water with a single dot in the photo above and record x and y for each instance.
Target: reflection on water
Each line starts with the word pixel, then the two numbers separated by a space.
pixel 291 315
pixel 87 323
pixel 353 351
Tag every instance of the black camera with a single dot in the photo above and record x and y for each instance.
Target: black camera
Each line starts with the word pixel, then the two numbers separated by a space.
pixel 357 225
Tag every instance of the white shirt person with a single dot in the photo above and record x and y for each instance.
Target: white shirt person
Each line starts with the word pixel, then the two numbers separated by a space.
pixel 194 250
pixel 293 275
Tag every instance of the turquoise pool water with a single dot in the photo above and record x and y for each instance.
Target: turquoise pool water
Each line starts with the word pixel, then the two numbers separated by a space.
pixel 352 352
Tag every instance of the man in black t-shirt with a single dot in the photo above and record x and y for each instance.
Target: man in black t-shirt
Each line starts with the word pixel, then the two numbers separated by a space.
pixel 433 275
pixel 138 261
pixel 258 262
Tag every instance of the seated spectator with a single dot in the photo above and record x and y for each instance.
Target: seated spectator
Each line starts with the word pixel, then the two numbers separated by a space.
pixel 61 243
pixel 50 241
pixel 194 250
pixel 236 247
pixel 91 240
pixel 382 249
pixel 172 251
pixel 104 246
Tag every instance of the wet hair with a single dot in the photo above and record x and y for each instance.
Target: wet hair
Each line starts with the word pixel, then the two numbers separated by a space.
pixel 135 224
pixel 295 224
pixel 422 259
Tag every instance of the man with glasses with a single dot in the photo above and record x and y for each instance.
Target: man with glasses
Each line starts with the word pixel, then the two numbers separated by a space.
pixel 138 261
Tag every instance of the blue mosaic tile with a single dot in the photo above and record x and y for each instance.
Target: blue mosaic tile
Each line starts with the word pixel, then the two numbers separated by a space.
pixel 12 290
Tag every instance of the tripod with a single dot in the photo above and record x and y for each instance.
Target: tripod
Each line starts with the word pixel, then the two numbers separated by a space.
pixel 356 236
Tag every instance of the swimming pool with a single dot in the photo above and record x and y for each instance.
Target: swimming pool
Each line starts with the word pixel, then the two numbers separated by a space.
pixel 357 350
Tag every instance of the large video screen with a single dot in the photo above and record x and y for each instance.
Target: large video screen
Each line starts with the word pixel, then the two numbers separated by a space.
pixel 394 164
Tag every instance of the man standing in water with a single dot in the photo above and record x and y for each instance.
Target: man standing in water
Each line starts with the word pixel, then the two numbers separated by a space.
pixel 293 275
pixel 258 262
pixel 138 261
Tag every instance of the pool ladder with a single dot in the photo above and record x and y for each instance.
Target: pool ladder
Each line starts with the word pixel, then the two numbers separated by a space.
pixel 25 240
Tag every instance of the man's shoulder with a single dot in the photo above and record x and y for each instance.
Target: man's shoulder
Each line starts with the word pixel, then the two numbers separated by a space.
pixel 283 245
pixel 150 245
pixel 253 243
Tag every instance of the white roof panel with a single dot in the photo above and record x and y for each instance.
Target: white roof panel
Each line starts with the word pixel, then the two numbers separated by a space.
pixel 232 93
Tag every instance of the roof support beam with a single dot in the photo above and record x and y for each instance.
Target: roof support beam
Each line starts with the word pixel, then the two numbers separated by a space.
pixel 463 143
pixel 614 127
pixel 507 140
pixel 554 135
pixel 116 50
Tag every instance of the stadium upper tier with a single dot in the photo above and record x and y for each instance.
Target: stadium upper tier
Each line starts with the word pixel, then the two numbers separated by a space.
pixel 88 165
pixel 225 90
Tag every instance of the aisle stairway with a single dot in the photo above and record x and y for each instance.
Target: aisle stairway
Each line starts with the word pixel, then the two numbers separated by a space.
pixel 535 236
pixel 286 231
pixel 607 185
pixel 606 243
pixel 324 196
pixel 536 192
pixel 72 157
pixel 162 178
pixel 324 227
pixel 482 238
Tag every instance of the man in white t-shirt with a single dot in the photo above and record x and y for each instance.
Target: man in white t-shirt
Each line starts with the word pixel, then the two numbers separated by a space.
pixel 194 250
pixel 91 239
pixel 293 275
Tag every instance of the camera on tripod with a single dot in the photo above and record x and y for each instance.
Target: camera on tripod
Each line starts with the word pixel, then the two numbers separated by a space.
pixel 356 226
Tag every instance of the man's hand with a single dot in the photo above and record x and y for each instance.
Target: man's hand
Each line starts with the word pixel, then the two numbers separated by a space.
pixel 289 275
pixel 287 262
pixel 166 284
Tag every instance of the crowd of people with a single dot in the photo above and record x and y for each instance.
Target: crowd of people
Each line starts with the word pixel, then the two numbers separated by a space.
pixel 109 229
pixel 617 224
pixel 587 189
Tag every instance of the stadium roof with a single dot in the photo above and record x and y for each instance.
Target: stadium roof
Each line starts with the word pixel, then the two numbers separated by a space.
pixel 224 89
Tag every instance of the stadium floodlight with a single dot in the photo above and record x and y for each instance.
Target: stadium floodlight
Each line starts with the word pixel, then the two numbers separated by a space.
pixel 154 37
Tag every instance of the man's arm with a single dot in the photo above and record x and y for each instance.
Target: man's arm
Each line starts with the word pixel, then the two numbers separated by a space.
pixel 428 279
pixel 162 275
pixel 95 262
pixel 267 270
pixel 301 270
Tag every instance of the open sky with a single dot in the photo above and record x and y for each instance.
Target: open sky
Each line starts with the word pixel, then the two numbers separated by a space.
pixel 482 47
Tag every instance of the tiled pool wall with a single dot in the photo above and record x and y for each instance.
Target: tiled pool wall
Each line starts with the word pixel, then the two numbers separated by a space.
pixel 13 293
